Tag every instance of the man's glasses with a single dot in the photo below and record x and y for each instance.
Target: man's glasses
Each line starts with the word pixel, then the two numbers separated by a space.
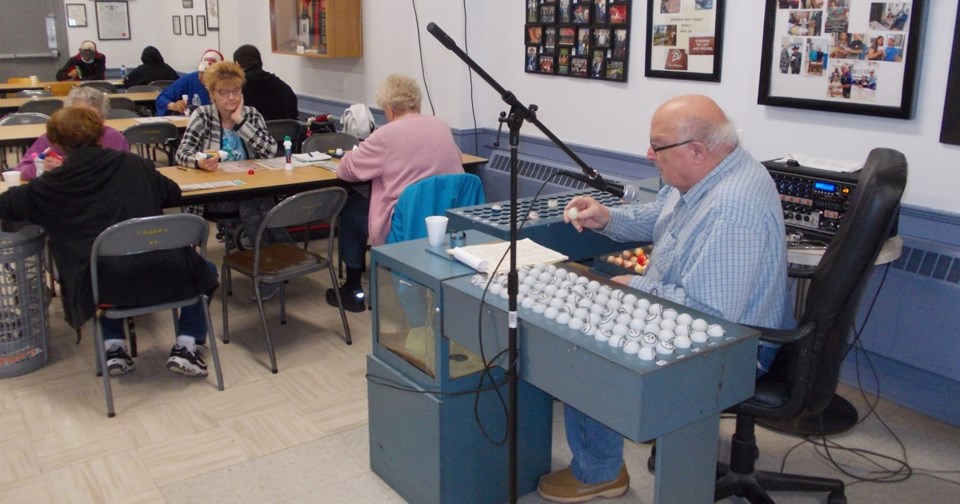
pixel 223 93
pixel 665 147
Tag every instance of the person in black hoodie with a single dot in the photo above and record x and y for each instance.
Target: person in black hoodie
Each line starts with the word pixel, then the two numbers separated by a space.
pixel 88 64
pixel 263 90
pixel 152 69
pixel 93 189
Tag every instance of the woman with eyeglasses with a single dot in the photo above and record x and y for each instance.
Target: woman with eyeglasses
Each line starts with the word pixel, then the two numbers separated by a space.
pixel 227 125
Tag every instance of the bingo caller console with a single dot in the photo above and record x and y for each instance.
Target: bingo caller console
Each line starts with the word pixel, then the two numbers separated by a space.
pixel 814 201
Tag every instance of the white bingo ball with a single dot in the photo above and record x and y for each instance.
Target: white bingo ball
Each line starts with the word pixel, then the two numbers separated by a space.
pixel 684 319
pixel 698 337
pixel 576 324
pixel 563 318
pixel 550 289
pixel 601 299
pixel 665 348
pixel 607 323
pixel 602 335
pixel 613 304
pixel 649 340
pixel 665 335
pixel 646 353
pixel 651 328
pixel 581 280
pixel 640 314
pixel 643 303
pixel 594 318
pixel 573 213
pixel 588 329
pixel 637 324
pixel 715 331
pixel 670 314
pixel 552 203
pixel 668 324
pixel 539 308
pixel 681 342
pixel 620 330
pixel 624 319
pixel 551 268
pixel 656 309
pixel 504 293
pixel 581 313
pixel 629 299
pixel 495 288
pixel 528 302
pixel 682 330
pixel 605 290
pixel 593 286
pixel 523 289
pixel 699 325
pixel 632 347
pixel 550 312
pixel 555 302
pixel 616 341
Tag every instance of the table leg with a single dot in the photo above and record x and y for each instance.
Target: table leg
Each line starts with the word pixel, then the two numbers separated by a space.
pixel 687 463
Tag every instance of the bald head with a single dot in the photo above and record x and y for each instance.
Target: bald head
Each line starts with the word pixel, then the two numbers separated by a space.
pixel 700 136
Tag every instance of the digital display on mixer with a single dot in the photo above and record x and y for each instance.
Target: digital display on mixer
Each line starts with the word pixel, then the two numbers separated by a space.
pixel 824 186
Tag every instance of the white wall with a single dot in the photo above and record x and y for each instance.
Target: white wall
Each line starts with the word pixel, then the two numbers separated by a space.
pixel 613 116
pixel 151 23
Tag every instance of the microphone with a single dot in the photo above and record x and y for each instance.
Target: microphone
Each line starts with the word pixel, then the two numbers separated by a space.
pixel 626 192
pixel 441 35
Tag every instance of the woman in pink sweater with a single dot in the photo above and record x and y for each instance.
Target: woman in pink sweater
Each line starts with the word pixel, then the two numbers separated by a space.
pixel 79 97
pixel 410 148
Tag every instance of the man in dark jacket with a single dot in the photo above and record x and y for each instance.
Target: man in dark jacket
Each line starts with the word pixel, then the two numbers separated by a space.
pixel 263 90
pixel 152 69
pixel 88 64
pixel 93 189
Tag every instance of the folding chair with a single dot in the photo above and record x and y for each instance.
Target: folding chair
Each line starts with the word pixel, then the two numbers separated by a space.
pixel 144 88
pixel 106 87
pixel 120 113
pixel 327 141
pixel 280 128
pixel 43 105
pixel 122 102
pixel 139 236
pixel 276 263
pixel 162 84
pixel 147 137
pixel 29 93
pixel 19 147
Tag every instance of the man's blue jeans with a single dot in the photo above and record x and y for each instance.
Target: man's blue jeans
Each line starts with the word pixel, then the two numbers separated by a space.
pixel 597 450
pixel 192 322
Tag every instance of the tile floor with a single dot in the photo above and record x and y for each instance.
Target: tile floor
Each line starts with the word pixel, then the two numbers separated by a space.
pixel 300 436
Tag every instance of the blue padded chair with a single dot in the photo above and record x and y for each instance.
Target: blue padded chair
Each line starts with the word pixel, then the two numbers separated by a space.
pixel 432 196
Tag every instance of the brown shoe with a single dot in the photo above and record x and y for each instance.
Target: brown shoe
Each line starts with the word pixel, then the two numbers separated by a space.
pixel 562 486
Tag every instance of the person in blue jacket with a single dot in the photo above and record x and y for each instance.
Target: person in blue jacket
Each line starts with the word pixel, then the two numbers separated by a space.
pixel 171 101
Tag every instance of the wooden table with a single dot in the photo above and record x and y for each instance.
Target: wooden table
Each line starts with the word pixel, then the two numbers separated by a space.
pixel 263 181
pixel 6 87
pixel 13 104
pixel 30 132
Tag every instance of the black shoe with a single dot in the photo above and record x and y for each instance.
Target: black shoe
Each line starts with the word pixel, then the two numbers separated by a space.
pixel 353 299
pixel 186 362
pixel 118 361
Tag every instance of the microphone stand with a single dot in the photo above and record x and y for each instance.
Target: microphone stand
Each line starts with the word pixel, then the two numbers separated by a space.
pixel 514 120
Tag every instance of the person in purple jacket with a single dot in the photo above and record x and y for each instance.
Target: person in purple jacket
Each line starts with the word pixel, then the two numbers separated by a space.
pixel 79 97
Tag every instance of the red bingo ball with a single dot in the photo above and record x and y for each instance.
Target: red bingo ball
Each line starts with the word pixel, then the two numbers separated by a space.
pixel 250 171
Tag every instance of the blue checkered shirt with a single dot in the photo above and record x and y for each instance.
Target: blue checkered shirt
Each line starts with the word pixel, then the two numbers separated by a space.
pixel 719 247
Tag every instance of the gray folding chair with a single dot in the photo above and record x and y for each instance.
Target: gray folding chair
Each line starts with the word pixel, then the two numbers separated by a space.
pixel 122 102
pixel 120 113
pixel 280 128
pixel 17 148
pixel 147 138
pixel 144 88
pixel 106 87
pixel 28 93
pixel 43 105
pixel 140 236
pixel 162 84
pixel 326 141
pixel 276 263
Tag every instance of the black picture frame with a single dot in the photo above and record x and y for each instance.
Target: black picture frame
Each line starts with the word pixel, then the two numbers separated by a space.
pixel 950 127
pixel 685 40
pixel 187 4
pixel 581 38
pixel 177 26
pixel 188 24
pixel 201 25
pixel 76 15
pixel 213 15
pixel 837 70
pixel 113 20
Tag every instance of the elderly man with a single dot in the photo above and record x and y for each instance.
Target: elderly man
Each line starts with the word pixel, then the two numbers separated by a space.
pixel 717 230
pixel 87 64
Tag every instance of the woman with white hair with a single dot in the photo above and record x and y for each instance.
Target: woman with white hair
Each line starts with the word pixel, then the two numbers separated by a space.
pixel 79 96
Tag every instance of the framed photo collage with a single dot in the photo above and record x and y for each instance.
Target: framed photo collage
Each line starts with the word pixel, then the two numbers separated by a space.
pixel 578 38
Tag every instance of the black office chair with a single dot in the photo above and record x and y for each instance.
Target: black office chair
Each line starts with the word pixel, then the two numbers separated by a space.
pixel 280 128
pixel 43 105
pixel 803 378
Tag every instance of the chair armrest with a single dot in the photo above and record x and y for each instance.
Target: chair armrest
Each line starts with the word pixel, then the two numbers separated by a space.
pixel 785 336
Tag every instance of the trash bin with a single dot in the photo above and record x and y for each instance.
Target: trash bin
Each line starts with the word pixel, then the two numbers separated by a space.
pixel 23 303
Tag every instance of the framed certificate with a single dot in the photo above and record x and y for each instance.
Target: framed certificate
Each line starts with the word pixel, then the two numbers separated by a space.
pixel 113 20
pixel 685 39
pixel 76 15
